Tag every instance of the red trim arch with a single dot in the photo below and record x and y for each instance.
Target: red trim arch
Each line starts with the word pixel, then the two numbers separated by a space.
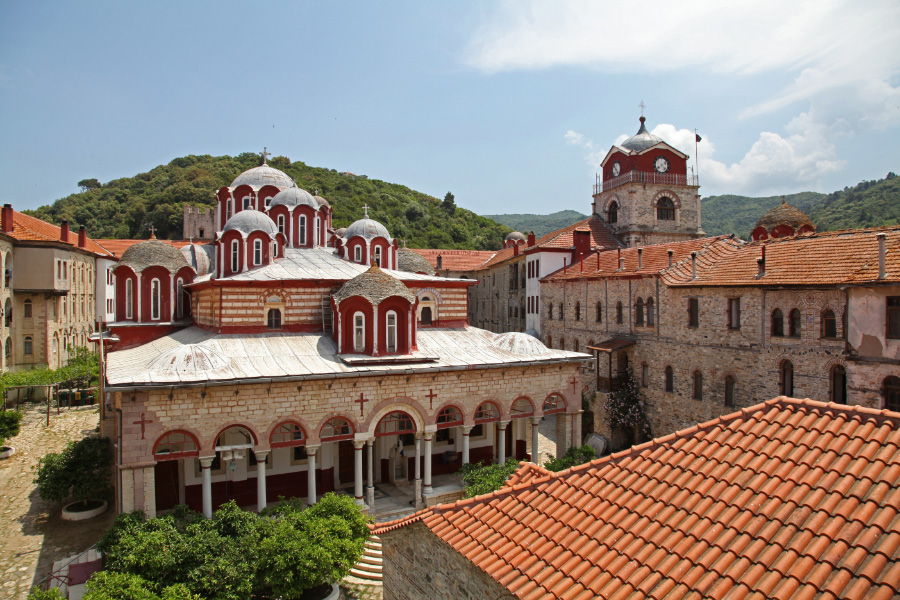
pixel 289 434
pixel 489 412
pixel 521 413
pixel 551 406
pixel 249 429
pixel 342 425
pixel 179 439
pixel 403 420
pixel 449 416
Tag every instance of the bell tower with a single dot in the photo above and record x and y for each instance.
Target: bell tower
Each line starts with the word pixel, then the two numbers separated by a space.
pixel 645 194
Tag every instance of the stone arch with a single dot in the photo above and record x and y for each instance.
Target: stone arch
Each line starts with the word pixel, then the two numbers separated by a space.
pixel 432 418
pixel 175 456
pixel 402 403
pixel 643 289
pixel 314 438
pixel 287 419
pixel 562 397
pixel 780 358
pixel 496 406
pixel 667 194
pixel 609 200
pixel 459 409
pixel 534 412
pixel 830 364
pixel 244 424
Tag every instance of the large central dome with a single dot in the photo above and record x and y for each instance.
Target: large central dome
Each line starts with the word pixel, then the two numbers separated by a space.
pixel 642 140
pixel 263 175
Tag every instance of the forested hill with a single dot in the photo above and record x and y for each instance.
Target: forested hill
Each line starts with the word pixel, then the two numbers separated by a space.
pixel 867 204
pixel 539 224
pixel 127 207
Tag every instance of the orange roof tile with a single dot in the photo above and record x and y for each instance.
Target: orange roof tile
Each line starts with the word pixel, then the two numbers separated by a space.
pixel 455 260
pixel 828 258
pixel 28 228
pixel 117 247
pixel 788 499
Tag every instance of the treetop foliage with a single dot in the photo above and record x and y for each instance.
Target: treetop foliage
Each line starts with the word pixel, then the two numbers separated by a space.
pixel 125 208
pixel 539 224
pixel 484 478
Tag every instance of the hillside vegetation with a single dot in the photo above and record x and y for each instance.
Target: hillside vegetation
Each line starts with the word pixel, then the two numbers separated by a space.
pixel 127 207
pixel 867 204
pixel 539 224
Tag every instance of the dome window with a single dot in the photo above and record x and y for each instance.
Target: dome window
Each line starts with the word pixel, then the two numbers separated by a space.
pixel 665 209
pixel 154 300
pixel 129 298
pixel 179 294
pixel 235 257
pixel 378 255
pixel 359 332
pixel 257 252
pixel 246 202
pixel 281 224
pixel 391 330
pixel 357 254
pixel 301 239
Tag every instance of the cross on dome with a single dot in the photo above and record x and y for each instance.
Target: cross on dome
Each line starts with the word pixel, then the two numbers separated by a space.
pixel 265 154
pixel 643 106
pixel 152 232
pixel 366 211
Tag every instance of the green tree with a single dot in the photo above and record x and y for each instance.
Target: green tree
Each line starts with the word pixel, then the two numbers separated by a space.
pixel 80 472
pixel 449 204
pixel 51 594
pixel 10 422
pixel 624 408
pixel 576 455
pixel 89 184
pixel 484 478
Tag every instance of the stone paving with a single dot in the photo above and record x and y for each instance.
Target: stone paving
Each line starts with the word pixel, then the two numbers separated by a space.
pixel 32 533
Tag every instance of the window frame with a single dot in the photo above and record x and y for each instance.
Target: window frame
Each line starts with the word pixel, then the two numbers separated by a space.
pixel 129 298
pixel 795 323
pixel 694 312
pixel 301 230
pixel 235 256
pixel 777 326
pixel 669 380
pixel 155 299
pixel 825 320
pixel 786 378
pixel 388 330
pixel 257 252
pixel 697 392
pixel 28 346
pixel 892 317
pixel 273 319
pixel 665 209
pixel 359 331
pixel 734 313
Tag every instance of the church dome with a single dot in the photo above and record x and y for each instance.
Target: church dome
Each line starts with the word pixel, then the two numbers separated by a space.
pixel 198 257
pixel 263 175
pixel 322 201
pixel 367 228
pixel 248 221
pixel 341 232
pixel 517 236
pixel 642 140
pixel 294 197
pixel 374 285
pixel 784 214
pixel 413 262
pixel 518 343
pixel 153 253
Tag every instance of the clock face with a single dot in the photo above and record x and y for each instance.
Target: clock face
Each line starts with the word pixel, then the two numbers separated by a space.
pixel 616 169
pixel 661 164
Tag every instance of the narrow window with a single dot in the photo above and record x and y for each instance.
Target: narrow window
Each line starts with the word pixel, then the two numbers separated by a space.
pixel 578 311
pixel 575 348
pixel 613 212
pixel 27 308
pixel 698 385
pixel 670 379
pixel 246 202
pixel 650 311
pixel 665 210
pixel 693 312
pixel 179 295
pixel 734 313
pixel 229 208
pixel 838 385
pixel 549 341
pixel 257 252
pixel 599 312
pixel 777 323
pixel 562 343
pixel 378 255
pixel 391 332
pixel 787 378
pixel 129 298
pixel 639 312
pixel 154 299
pixel 645 375
pixel 357 254
pixel 316 236
pixel 201 233
pixel 301 234
pixel 829 325
pixel 550 312
pixel 28 346
pixel 729 391
pixel 893 317
pixel 281 224
pixel 892 393
pixel 273 320
pixel 619 313
pixel 235 257
pixel 562 312
pixel 794 323
pixel 359 332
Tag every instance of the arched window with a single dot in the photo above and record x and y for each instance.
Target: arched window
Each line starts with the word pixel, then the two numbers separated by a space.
pixel 426 315
pixel 562 343
pixel 316 232
pixel 891 393
pixel 229 208
pixel 391 331
pixel 619 313
pixel 55 344
pixel 395 423
pixel 287 435
pixel 554 404
pixel 639 312
pixel 281 224
pixel 378 255
pixel 777 323
pixel 27 309
pixel 28 345
pixel 838 385
pixel 154 300
pixel 129 298
pixel 336 429
pixel 359 332
pixel 7 349
pixel 665 209
pixel 235 257
pixel 829 325
pixel 179 298
pixel 575 345
pixel 257 252
pixel 599 312
pixel 787 378
pixel 273 318
pixel 650 315
pixel 645 375
pixel 450 416
pixel 670 380
pixel 613 212
pixel 357 254
pixel 698 385
pixel 175 445
pixel 521 408
pixel 550 312
pixel 729 390
pixel 794 323
pixel 562 311
pixel 301 232
pixel 487 412
pixel 578 311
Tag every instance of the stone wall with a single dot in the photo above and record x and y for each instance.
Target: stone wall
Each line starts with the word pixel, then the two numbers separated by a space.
pixel 199 223
pixel 497 302
pixel 420 566
pixel 637 223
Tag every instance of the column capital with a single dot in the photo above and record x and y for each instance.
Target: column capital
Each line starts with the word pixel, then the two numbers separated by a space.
pixel 503 424
pixel 467 429
pixel 370 441
pixel 206 461
pixel 536 420
pixel 261 454
pixel 359 444
pixel 311 450
pixel 428 435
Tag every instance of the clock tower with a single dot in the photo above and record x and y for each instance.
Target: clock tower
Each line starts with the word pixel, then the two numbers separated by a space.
pixel 645 193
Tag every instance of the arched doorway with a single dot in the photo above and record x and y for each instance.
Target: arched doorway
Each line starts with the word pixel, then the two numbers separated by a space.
pixel 169 453
pixel 400 429
pixel 521 411
pixel 838 385
pixel 340 431
pixel 232 467
pixel 550 432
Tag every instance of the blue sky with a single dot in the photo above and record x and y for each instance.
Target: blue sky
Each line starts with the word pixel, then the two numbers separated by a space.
pixel 510 105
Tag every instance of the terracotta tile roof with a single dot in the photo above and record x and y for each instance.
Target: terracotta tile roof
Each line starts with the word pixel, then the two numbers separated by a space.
pixel 118 247
pixel 828 258
pixel 455 260
pixel 28 228
pixel 786 499
pixel 654 258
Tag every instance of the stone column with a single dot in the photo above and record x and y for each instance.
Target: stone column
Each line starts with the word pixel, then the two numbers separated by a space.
pixel 261 479
pixel 536 440
pixel 370 490
pixel 205 465
pixel 576 428
pixel 427 489
pixel 465 444
pixel 418 482
pixel 311 474
pixel 358 471
pixel 501 441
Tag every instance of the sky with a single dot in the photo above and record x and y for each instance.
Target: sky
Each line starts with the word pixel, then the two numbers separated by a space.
pixel 511 105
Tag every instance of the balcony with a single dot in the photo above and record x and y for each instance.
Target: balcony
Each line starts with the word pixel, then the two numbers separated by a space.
pixel 606 384
pixel 642 177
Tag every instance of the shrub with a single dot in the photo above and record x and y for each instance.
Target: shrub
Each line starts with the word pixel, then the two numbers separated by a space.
pixel 576 455
pixel 80 472
pixel 625 408
pixel 10 422
pixel 481 478
pixel 51 594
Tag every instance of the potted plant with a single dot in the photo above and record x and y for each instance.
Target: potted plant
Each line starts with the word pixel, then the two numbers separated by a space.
pixel 10 421
pixel 79 473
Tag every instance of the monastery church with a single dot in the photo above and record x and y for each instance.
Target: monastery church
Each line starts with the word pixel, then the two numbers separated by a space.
pixel 286 358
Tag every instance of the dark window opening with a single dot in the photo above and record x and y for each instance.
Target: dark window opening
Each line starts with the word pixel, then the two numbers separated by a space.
pixel 829 325
pixel 777 323
pixel 693 312
pixel 665 210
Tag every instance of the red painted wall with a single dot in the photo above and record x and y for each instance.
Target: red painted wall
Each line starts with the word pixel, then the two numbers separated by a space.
pixel 644 162
pixel 347 308
pixel 402 307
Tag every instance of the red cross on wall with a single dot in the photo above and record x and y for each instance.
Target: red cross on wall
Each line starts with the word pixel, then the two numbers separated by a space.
pixel 142 423
pixel 362 400
pixel 431 396
pixel 574 383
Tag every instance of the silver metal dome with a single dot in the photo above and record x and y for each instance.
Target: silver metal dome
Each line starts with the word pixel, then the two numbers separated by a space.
pixel 248 221
pixel 294 197
pixel 263 175
pixel 368 229
pixel 153 253
pixel 642 140
pixel 515 235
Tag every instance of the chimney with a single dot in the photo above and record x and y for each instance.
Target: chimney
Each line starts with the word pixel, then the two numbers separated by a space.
pixel 440 261
pixel 82 237
pixel 694 265
pixel 671 252
pixel 515 249
pixel 621 261
pixel 882 270
pixel 761 263
pixel 582 240
pixel 582 263
pixel 530 239
pixel 640 258
pixel 7 217
pixel 64 231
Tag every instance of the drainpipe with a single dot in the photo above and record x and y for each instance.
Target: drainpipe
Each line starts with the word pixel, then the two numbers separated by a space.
pixel 118 462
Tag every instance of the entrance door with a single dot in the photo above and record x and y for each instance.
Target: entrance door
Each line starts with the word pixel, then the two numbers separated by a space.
pixel 166 477
pixel 346 465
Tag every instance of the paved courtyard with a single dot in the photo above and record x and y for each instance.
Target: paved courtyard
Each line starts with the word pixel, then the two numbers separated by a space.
pixel 33 534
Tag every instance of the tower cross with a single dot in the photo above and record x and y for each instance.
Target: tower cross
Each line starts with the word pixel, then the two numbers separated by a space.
pixel 265 154
pixel 366 211
pixel 643 106
pixel 362 400
pixel 152 232
pixel 142 423
pixel 431 396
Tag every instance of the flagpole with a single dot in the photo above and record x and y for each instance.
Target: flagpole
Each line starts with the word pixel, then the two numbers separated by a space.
pixel 697 155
